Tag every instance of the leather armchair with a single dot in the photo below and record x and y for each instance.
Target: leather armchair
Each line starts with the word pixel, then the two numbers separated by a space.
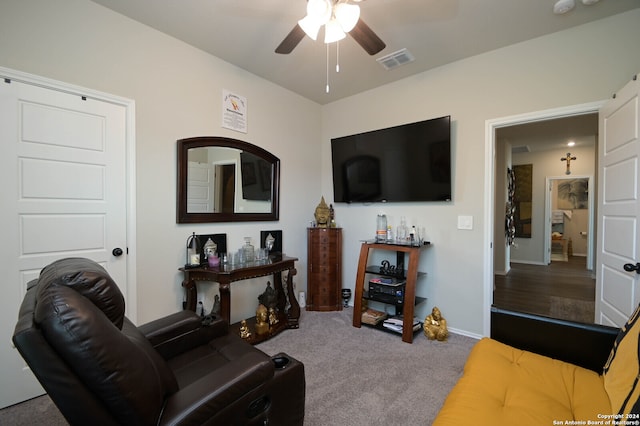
pixel 99 368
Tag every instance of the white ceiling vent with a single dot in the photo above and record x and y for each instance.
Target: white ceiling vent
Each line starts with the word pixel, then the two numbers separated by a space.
pixel 395 59
pixel 520 149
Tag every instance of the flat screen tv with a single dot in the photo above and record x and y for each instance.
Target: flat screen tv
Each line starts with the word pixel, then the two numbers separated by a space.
pixel 410 162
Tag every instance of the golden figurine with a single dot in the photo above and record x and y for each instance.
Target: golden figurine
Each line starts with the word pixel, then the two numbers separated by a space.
pixel 273 318
pixel 435 327
pixel 322 214
pixel 244 330
pixel 262 326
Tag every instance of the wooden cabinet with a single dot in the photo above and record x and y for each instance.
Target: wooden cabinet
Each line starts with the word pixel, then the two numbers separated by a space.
pixel 324 269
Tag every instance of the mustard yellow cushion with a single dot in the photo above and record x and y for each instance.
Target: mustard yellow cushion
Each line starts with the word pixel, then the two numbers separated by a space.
pixel 622 369
pixel 502 385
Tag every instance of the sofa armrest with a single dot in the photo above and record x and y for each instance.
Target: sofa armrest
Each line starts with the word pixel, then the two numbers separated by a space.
pixel 214 398
pixel 586 345
pixel 181 331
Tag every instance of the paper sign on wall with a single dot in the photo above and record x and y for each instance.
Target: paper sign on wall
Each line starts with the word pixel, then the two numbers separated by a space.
pixel 234 111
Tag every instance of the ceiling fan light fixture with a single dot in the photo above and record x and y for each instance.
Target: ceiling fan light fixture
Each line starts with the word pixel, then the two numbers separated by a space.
pixel 563 6
pixel 310 27
pixel 347 15
pixel 319 11
pixel 333 31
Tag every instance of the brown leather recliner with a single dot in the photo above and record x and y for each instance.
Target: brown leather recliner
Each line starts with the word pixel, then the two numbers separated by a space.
pixel 99 368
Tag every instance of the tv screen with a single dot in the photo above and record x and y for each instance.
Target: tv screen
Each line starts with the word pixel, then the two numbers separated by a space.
pixel 410 162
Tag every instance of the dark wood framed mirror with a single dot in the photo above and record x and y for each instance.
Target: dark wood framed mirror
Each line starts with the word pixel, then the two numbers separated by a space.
pixel 226 180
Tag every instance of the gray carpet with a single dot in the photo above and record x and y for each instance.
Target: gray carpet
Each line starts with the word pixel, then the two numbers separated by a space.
pixel 354 376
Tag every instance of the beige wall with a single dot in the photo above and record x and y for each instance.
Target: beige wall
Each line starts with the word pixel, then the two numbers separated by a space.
pixel 177 90
pixel 580 65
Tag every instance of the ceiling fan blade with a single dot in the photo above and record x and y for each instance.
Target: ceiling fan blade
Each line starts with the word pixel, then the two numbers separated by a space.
pixel 366 38
pixel 291 40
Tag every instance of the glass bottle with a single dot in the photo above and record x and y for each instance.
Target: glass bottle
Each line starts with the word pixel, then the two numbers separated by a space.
pixel 401 235
pixel 249 254
pixel 381 230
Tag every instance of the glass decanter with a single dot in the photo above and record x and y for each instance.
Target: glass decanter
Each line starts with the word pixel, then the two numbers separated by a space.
pixel 249 254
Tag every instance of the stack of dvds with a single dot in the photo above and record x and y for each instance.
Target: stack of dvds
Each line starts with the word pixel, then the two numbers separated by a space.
pixel 396 324
pixel 373 317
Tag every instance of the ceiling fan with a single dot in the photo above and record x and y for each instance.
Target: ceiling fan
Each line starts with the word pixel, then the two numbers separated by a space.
pixel 338 17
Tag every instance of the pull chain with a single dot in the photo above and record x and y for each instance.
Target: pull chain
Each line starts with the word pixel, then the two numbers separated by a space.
pixel 327 88
pixel 337 56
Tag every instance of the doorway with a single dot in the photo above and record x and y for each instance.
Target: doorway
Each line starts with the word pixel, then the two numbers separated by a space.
pixel 226 191
pixel 569 219
pixel 499 258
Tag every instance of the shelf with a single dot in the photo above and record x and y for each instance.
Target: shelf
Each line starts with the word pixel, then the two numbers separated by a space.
pixel 381 327
pixel 418 299
pixel 375 269
pixel 410 275
pixel 257 338
pixel 390 245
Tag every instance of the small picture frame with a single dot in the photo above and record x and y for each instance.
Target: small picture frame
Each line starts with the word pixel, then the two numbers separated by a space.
pixel 219 239
pixel 277 244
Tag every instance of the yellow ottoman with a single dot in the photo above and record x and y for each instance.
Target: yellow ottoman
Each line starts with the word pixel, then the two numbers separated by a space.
pixel 502 385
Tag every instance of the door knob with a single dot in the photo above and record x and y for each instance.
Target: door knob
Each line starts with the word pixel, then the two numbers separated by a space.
pixel 630 267
pixel 118 252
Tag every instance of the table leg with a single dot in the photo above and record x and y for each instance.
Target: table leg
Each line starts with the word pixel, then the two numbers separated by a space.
pixel 294 308
pixel 191 292
pixel 225 301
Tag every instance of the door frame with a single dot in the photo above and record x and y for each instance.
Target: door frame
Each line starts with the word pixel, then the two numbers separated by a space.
pixel 590 219
pixel 130 166
pixel 489 169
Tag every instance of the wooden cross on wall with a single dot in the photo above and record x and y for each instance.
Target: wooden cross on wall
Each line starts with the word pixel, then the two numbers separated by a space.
pixel 568 159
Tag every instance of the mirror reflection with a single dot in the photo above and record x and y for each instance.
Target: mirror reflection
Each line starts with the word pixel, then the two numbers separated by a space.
pixel 226 180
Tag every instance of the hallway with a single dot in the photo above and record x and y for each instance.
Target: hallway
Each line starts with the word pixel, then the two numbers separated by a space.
pixel 563 290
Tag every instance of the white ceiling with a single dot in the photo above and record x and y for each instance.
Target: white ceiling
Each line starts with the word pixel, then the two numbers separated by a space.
pixel 437 32
pixel 552 134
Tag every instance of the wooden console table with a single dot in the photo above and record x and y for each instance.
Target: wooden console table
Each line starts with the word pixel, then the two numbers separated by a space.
pixel 226 274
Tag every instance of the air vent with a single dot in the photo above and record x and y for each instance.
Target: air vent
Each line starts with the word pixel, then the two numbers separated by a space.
pixel 520 149
pixel 395 59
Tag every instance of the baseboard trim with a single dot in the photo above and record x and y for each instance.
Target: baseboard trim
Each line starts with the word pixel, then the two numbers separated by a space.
pixel 528 262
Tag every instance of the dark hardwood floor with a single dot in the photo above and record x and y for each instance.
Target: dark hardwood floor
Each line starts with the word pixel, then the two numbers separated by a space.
pixel 537 288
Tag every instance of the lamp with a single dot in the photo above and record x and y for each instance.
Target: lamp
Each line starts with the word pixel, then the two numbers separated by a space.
pixel 193 252
pixel 333 31
pixel 347 15
pixel 338 18
pixel 318 13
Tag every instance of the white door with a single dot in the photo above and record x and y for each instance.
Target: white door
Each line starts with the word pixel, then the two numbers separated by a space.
pixel 617 290
pixel 199 188
pixel 63 174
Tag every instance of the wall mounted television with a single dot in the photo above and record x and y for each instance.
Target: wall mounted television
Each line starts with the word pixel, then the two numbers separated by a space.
pixel 410 162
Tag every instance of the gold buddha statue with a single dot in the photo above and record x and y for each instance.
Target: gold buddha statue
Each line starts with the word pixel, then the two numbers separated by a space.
pixel 244 330
pixel 273 317
pixel 435 327
pixel 322 214
pixel 262 326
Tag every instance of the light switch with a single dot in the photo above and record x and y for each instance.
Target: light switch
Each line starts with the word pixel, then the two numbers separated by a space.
pixel 465 222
